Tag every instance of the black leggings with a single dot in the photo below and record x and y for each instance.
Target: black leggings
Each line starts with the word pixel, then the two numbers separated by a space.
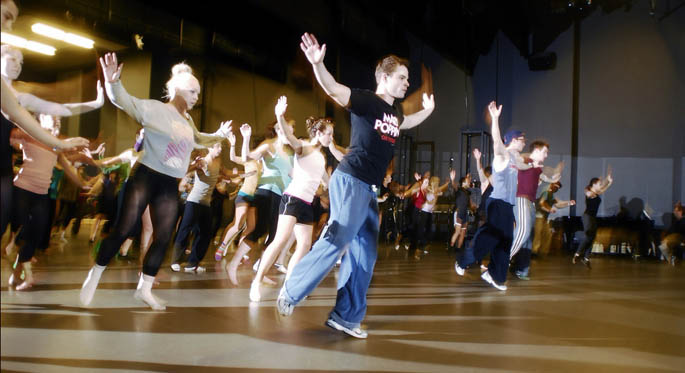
pixel 31 213
pixel 422 228
pixel 590 228
pixel 267 203
pixel 145 186
pixel 5 200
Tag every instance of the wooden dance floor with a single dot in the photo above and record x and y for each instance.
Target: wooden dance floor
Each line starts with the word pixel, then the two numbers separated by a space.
pixel 621 316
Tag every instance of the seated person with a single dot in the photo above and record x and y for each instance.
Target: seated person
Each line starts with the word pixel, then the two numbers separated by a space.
pixel 674 237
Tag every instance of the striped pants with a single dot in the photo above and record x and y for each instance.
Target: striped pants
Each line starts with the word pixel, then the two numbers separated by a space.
pixel 524 213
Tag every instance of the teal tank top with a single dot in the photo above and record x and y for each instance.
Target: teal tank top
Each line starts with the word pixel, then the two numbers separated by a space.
pixel 275 175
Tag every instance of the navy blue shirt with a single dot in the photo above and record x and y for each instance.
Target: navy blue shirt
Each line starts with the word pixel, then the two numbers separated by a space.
pixel 375 129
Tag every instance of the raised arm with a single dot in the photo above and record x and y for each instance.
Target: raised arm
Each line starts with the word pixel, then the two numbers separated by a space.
pixel 24 120
pixel 111 70
pixel 38 105
pixel 231 154
pixel 453 176
pixel 84 107
pixel 256 154
pixel 484 181
pixel 552 175
pixel 315 54
pixel 443 187
pixel 497 145
pixel 413 120
pixel 286 132
pixel 606 183
pixel 337 151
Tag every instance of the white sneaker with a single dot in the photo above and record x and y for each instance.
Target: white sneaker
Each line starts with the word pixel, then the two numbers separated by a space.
pixel 459 270
pixel 486 276
pixel 284 308
pixel 355 332
pixel 176 267
pixel 397 247
pixel 255 295
pixel 196 269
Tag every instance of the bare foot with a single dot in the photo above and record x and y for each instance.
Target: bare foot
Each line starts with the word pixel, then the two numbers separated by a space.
pixel 268 281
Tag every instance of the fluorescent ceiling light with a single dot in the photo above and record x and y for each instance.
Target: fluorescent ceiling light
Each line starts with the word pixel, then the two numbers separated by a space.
pixel 27 44
pixel 55 33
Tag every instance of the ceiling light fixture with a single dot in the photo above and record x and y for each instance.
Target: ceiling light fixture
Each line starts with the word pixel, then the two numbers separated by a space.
pixel 55 33
pixel 28 44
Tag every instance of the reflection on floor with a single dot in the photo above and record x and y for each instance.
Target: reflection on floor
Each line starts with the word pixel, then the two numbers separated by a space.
pixel 620 316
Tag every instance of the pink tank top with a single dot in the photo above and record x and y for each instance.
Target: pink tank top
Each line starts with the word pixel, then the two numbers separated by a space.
pixel 36 172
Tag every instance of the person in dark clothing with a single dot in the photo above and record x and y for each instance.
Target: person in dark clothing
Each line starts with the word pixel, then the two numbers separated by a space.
pixel 462 206
pixel 593 190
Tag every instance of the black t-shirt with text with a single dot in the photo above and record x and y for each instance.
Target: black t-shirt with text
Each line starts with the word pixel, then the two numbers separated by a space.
pixel 375 129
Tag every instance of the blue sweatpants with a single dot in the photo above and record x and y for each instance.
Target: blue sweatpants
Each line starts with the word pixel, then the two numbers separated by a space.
pixel 352 229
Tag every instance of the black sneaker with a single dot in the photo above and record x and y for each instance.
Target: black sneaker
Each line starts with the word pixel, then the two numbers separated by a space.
pixel 586 261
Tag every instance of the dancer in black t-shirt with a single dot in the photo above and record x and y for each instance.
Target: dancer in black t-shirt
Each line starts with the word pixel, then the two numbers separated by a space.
pixel 353 224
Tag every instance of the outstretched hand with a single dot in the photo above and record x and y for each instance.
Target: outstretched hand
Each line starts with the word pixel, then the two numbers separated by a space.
pixel 428 102
pixel 110 69
pixel 494 110
pixel 417 176
pixel 453 174
pixel 246 130
pixel 476 153
pixel 225 128
pixel 281 106
pixel 311 48
pixel 100 150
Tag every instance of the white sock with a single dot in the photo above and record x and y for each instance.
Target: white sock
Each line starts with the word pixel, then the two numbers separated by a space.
pixel 144 293
pixel 90 284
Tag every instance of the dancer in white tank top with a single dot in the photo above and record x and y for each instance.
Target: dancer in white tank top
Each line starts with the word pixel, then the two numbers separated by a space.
pixel 296 214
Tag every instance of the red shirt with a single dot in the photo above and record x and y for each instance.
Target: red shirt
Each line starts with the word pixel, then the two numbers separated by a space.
pixel 419 199
pixel 528 183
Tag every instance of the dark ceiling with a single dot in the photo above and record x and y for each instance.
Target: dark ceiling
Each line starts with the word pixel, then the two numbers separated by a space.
pixel 262 35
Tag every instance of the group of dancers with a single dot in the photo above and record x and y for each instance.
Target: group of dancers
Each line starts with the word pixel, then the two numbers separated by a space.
pixel 287 193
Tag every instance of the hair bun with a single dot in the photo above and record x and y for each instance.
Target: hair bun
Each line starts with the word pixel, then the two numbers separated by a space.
pixel 311 122
pixel 181 68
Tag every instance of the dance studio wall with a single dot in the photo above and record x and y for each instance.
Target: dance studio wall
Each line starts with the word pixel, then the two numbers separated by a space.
pixel 631 94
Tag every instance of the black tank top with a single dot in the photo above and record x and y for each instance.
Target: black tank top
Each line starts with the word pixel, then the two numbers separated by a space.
pixel 5 150
pixel 592 205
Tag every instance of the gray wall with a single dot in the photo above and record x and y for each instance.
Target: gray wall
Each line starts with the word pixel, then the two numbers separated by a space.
pixel 631 107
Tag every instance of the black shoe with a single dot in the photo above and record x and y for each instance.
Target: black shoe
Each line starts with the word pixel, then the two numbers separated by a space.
pixel 586 261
